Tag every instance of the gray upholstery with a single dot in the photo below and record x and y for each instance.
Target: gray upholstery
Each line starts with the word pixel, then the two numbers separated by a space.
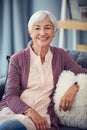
pixel 79 57
pixel 2 86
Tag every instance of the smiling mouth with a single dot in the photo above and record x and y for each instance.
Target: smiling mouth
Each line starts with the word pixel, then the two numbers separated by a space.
pixel 43 39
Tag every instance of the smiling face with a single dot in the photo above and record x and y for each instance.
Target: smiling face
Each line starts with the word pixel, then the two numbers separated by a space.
pixel 42 33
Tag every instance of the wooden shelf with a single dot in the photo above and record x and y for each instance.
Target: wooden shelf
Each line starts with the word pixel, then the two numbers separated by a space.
pixel 81 47
pixel 73 24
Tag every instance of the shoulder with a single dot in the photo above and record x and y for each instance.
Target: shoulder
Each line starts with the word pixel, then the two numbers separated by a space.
pixel 58 51
pixel 20 57
pixel 20 54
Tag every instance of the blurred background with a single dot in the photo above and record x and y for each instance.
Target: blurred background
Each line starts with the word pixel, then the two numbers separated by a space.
pixel 14 16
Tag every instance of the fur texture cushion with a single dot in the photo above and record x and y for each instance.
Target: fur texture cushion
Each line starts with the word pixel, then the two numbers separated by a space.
pixel 77 116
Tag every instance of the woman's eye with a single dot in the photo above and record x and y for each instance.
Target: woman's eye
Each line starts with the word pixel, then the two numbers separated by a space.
pixel 48 28
pixel 36 28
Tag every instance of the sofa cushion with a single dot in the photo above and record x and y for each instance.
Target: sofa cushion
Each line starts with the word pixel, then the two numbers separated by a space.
pixel 2 86
pixel 79 57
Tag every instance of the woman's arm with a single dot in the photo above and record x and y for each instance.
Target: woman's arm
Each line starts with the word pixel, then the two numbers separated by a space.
pixel 14 86
pixel 68 98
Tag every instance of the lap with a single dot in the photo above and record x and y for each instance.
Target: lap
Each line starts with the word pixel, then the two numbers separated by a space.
pixel 8 114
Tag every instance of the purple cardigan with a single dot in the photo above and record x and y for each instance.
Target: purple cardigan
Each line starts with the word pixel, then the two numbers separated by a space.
pixel 19 68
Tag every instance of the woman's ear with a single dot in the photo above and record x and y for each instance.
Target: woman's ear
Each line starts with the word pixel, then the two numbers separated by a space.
pixel 55 33
pixel 29 33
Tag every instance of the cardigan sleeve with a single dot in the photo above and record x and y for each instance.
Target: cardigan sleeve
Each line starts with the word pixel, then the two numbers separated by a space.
pixel 14 85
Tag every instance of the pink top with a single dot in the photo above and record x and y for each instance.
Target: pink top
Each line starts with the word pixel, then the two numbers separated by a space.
pixel 40 84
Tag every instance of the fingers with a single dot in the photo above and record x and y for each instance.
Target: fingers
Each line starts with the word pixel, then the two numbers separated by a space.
pixel 68 98
pixel 65 104
pixel 38 120
pixel 41 125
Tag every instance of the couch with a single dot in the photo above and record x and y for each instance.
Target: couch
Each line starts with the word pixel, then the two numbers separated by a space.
pixel 79 57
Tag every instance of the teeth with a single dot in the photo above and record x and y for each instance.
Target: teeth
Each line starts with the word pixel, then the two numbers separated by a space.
pixel 42 38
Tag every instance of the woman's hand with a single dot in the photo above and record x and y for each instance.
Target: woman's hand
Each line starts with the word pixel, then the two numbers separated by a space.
pixel 68 98
pixel 40 122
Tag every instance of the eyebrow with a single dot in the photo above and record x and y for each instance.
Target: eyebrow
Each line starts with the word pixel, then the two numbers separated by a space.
pixel 45 25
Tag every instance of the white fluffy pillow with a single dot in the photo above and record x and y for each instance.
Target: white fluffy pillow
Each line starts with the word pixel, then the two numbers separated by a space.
pixel 77 116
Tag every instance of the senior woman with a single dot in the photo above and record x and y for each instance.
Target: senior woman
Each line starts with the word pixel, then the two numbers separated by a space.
pixel 32 77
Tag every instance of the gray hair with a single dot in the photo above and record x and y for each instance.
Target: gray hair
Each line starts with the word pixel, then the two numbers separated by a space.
pixel 40 15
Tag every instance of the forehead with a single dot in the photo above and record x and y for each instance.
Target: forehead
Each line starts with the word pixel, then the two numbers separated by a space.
pixel 45 22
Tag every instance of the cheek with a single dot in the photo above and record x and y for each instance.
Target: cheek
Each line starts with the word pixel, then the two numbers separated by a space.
pixel 31 33
pixel 52 35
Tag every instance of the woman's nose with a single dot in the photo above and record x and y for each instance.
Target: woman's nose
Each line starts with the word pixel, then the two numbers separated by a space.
pixel 42 32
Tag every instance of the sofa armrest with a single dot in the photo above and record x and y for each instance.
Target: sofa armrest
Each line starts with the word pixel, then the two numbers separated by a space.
pixel 2 86
pixel 79 57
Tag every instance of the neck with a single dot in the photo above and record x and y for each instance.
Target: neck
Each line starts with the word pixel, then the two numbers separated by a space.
pixel 41 51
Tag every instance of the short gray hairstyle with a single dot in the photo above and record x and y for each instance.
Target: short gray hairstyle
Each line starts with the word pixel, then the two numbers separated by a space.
pixel 40 15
